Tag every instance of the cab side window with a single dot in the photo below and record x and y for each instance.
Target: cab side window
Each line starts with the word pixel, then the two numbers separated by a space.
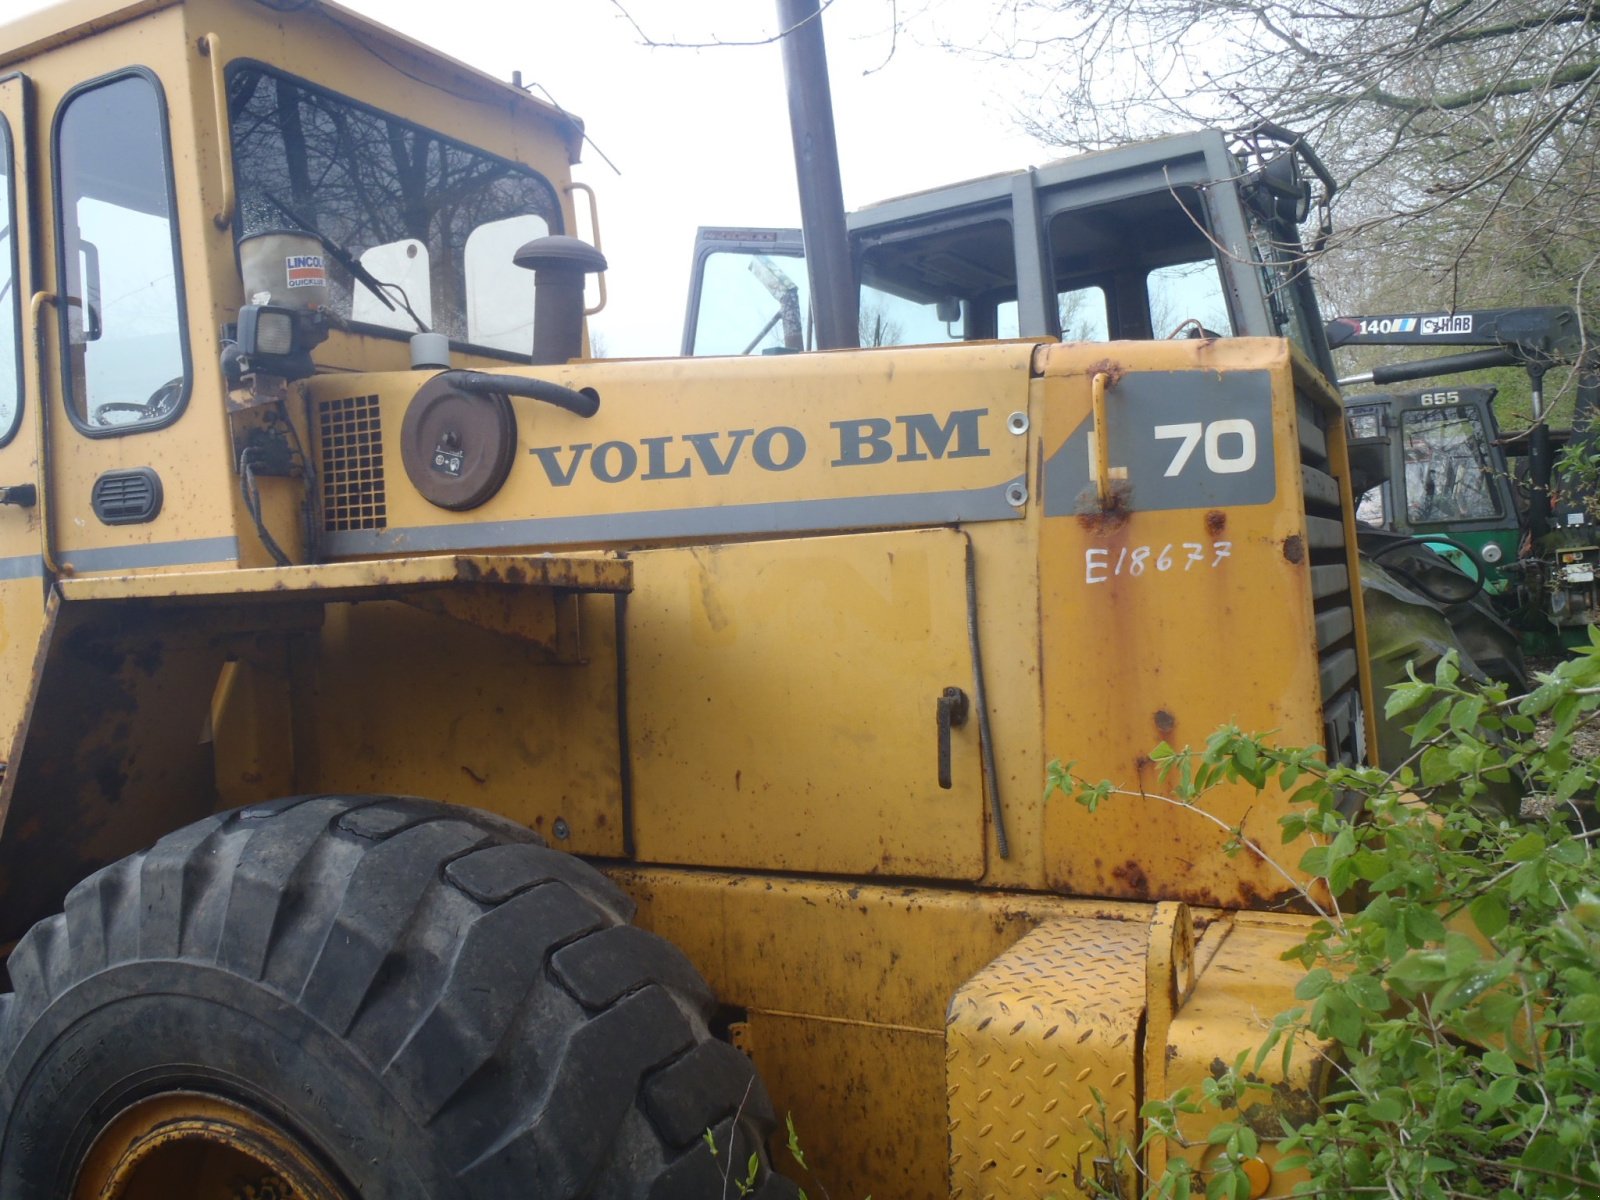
pixel 122 325
pixel 10 299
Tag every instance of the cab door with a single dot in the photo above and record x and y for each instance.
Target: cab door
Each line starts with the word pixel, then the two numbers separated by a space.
pixel 23 579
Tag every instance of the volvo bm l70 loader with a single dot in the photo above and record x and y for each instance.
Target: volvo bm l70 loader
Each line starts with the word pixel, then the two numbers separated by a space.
pixel 730 683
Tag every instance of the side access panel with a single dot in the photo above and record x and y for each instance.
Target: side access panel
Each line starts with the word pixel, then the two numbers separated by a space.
pixel 1209 587
pixel 782 701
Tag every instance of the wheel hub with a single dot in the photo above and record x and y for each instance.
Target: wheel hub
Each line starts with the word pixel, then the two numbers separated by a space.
pixel 193 1146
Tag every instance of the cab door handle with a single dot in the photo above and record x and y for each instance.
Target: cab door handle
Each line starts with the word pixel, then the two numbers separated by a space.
pixel 951 713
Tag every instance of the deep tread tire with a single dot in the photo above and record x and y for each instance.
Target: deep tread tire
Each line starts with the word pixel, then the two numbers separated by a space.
pixel 435 1002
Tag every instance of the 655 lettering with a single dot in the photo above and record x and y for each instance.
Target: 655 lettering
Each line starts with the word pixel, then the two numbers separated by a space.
pixel 1100 567
pixel 863 442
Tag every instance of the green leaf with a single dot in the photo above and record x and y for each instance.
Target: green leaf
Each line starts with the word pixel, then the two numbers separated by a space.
pixel 1581 1010
pixel 1314 984
pixel 1403 697
pixel 1316 860
pixel 1388 1109
pixel 1526 848
pixel 1420 967
pixel 1498 1062
pixel 794 1142
pixel 1490 913
pixel 1428 724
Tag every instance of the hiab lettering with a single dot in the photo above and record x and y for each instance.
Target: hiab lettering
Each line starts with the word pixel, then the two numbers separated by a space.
pixel 865 441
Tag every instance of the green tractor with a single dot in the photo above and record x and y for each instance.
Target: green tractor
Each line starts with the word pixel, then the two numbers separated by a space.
pixel 1437 467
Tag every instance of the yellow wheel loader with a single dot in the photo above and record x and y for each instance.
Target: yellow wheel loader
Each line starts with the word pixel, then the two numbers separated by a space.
pixel 730 683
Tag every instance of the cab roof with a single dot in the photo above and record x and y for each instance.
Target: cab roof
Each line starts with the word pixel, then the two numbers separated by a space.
pixel 66 21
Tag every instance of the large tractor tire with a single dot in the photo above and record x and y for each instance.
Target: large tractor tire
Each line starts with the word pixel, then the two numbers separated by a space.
pixel 337 998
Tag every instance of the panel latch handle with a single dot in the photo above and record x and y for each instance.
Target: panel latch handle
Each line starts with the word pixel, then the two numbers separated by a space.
pixel 951 708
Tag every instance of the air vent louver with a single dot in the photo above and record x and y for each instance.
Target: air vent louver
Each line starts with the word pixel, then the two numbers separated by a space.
pixel 350 439
pixel 1333 604
pixel 127 497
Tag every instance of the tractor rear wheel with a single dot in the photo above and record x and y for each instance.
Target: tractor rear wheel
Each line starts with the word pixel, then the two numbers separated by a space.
pixel 341 998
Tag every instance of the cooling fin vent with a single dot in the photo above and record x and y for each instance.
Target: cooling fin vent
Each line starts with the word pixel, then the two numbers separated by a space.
pixel 350 439
pixel 127 497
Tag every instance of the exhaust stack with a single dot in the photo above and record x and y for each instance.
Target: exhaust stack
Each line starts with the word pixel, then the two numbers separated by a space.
pixel 835 300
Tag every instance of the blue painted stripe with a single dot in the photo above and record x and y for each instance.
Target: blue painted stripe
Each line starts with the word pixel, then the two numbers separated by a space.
pixel 156 554
pixel 732 520
pixel 24 566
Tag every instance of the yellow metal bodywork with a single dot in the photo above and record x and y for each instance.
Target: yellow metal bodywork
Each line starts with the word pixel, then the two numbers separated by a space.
pixel 931 1041
pixel 1042 1079
pixel 735 706
pixel 701 638
pixel 1156 655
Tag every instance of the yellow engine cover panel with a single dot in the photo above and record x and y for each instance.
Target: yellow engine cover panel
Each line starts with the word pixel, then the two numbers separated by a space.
pixel 708 449
pixel 782 701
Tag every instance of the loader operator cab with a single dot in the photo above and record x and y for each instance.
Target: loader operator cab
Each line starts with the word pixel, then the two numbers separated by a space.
pixel 144 149
pixel 1185 236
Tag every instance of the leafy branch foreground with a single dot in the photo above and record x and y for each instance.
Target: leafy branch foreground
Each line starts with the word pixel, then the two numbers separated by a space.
pixel 1453 963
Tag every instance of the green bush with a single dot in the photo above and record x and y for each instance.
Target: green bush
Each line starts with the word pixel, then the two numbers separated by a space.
pixel 1453 966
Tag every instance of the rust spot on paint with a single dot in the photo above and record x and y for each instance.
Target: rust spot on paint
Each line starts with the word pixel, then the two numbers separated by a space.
pixel 1294 548
pixel 1112 517
pixel 1131 875
pixel 1111 370
pixel 1216 522
pixel 1165 722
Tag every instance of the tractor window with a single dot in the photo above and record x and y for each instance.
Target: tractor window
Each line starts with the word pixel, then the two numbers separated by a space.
pixel 753 304
pixel 1449 476
pixel 122 307
pixel 10 301
pixel 440 218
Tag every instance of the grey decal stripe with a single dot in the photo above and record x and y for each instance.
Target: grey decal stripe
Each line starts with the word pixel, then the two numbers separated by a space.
pixel 796 516
pixel 158 554
pixel 24 566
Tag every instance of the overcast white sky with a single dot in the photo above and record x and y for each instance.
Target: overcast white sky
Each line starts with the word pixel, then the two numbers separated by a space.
pixel 702 136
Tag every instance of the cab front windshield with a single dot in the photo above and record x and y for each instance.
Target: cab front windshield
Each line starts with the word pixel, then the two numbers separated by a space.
pixel 434 220
pixel 1448 473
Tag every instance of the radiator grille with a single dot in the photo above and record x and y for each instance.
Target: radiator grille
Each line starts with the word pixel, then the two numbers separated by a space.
pixel 351 442
pixel 1330 588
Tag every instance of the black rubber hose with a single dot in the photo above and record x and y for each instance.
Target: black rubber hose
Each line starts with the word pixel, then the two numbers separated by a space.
pixel 584 404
